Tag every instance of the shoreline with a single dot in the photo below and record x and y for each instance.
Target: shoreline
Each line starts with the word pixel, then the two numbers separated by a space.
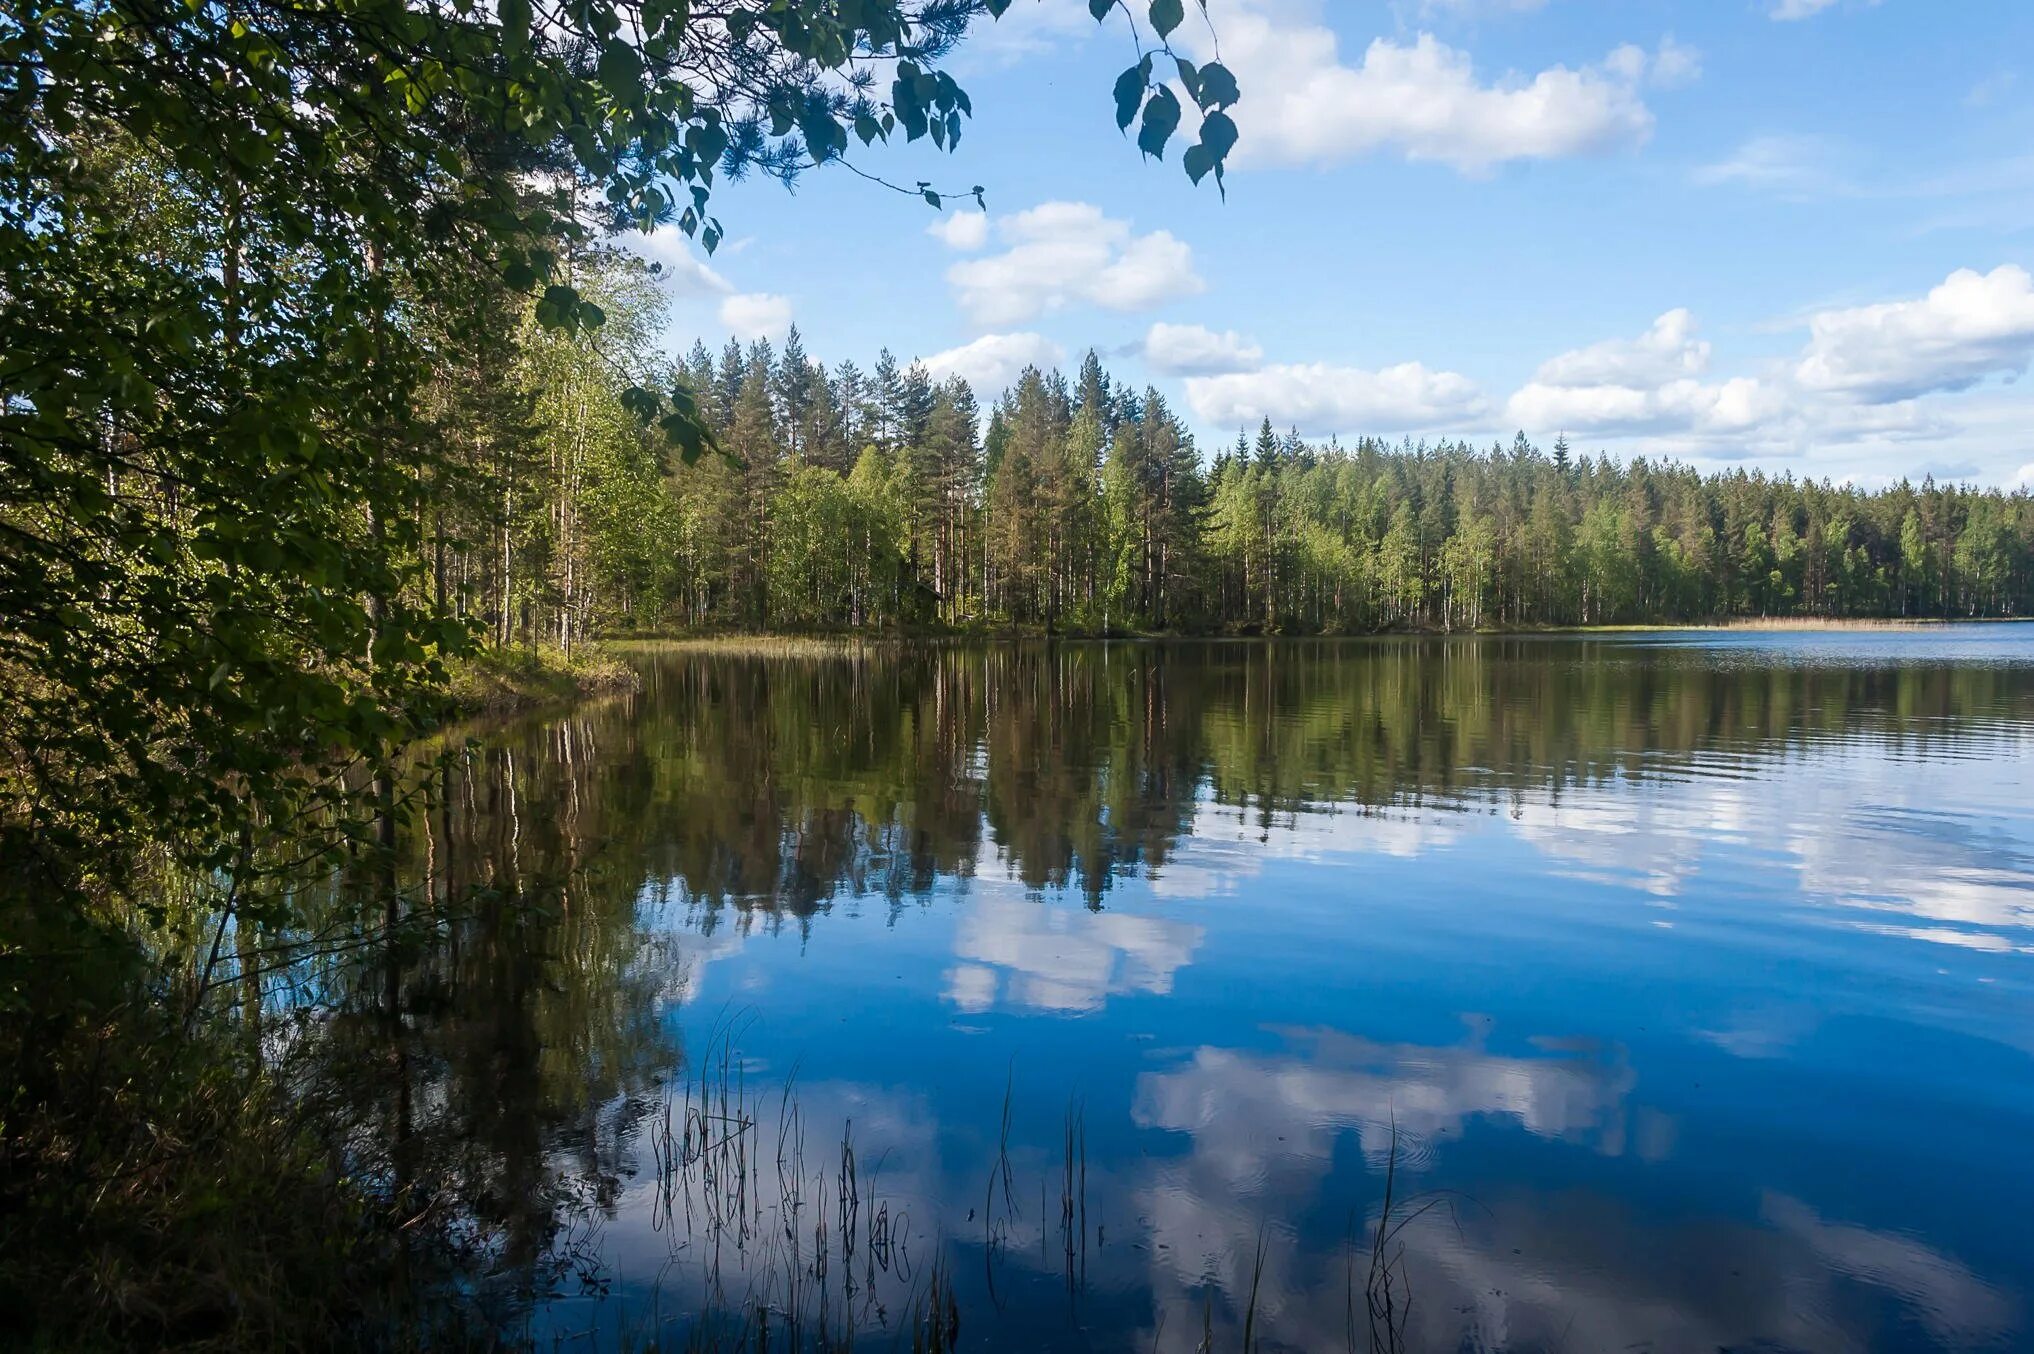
pixel 793 644
pixel 495 682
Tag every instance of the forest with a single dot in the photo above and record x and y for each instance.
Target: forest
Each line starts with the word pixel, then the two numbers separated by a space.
pixel 327 372
pixel 886 497
pixel 306 403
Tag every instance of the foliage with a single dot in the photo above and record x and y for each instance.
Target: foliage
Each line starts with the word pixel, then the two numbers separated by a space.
pixel 312 345
pixel 1086 507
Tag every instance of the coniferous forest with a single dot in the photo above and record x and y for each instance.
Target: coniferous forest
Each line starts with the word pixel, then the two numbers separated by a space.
pixel 1075 503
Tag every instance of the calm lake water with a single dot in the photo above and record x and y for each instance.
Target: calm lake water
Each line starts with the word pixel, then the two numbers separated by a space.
pixel 1671 992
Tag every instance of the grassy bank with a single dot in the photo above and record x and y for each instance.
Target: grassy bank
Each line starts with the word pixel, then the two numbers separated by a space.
pixel 503 681
pixel 771 646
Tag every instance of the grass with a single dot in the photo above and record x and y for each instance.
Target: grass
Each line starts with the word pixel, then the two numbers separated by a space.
pixel 502 681
pixel 1785 623
pixel 765 646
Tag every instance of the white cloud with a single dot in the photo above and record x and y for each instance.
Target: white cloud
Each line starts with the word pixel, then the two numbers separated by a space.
pixel 755 315
pixel 2025 479
pixel 1788 10
pixel 1645 385
pixel 1666 352
pixel 1972 326
pixel 1675 65
pixel 1651 388
pixel 1794 166
pixel 746 315
pixel 1195 350
pixel 1735 406
pixel 1320 399
pixel 1304 104
pixel 1063 253
pixel 1026 30
pixel 962 230
pixel 683 271
pixel 994 361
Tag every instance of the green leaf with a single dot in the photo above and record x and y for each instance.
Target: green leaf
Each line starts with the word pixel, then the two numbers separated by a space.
pixel 515 27
pixel 1161 119
pixel 1130 87
pixel 1218 86
pixel 1218 134
pixel 1100 8
pixel 1166 15
pixel 641 404
pixel 621 70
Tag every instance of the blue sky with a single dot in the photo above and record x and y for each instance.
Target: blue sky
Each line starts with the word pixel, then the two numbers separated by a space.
pixel 1789 233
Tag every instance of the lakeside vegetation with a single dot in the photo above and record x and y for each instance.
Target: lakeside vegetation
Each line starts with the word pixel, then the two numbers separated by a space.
pixel 307 306
pixel 500 681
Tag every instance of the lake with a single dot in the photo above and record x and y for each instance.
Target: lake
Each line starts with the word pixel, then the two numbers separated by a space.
pixel 1671 991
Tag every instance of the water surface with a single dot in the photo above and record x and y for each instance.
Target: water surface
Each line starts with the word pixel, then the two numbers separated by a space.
pixel 1678 988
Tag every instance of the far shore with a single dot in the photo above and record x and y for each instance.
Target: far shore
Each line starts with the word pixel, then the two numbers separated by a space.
pixel 792 644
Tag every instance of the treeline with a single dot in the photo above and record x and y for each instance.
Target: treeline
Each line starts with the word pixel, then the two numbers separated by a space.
pixel 884 497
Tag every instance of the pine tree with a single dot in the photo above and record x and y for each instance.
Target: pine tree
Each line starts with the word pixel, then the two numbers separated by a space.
pixel 1267 446
pixel 752 437
pixel 794 388
pixel 888 399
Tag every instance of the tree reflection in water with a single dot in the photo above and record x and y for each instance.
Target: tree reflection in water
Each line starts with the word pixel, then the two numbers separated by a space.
pixel 519 1063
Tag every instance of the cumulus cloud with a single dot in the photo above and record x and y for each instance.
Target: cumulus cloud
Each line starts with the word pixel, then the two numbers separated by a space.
pixel 994 361
pixel 1320 399
pixel 1195 350
pixel 1737 405
pixel 1649 384
pixel 1064 253
pixel 2025 479
pixel 1667 351
pixel 745 315
pixel 1307 105
pixel 756 315
pixel 965 231
pixel 1859 378
pixel 684 273
pixel 1972 326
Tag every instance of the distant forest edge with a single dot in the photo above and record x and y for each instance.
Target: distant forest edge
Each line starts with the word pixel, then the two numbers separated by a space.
pixel 884 499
